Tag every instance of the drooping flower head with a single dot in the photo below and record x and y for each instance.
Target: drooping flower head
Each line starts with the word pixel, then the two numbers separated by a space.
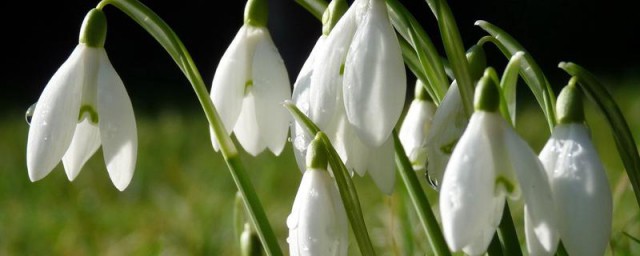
pixel 415 127
pixel 577 180
pixel 318 93
pixel 318 221
pixel 84 105
pixel 249 85
pixel 489 163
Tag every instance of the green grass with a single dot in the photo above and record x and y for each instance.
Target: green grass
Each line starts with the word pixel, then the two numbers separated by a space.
pixel 180 201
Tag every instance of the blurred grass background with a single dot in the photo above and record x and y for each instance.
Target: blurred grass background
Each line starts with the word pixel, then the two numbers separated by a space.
pixel 181 199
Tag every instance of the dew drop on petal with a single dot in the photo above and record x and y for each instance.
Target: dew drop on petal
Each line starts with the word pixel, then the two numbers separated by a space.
pixel 433 181
pixel 29 114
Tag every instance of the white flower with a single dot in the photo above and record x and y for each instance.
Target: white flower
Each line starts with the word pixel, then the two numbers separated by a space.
pixel 482 171
pixel 414 130
pixel 447 125
pixel 249 85
pixel 318 221
pixel 83 106
pixel 580 188
pixel 374 75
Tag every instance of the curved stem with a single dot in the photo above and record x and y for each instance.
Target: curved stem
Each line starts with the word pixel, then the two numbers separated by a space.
pixel 165 36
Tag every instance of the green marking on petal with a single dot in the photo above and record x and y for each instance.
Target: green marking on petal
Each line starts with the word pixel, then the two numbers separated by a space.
pixel 88 111
pixel 247 86
pixel 448 148
pixel 505 183
pixel 342 69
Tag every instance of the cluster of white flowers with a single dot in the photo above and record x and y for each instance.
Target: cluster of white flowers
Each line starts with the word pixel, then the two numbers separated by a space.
pixel 353 87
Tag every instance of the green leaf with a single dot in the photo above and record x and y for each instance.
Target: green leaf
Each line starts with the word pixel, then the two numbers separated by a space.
pixel 508 84
pixel 455 51
pixel 409 29
pixel 346 187
pixel 625 143
pixel 529 69
pixel 419 200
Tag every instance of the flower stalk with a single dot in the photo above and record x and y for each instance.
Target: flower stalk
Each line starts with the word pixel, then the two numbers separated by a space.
pixel 166 37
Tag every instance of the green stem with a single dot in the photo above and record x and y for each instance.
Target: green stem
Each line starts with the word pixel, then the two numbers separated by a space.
pixel 346 187
pixel 157 28
pixel 622 135
pixel 409 29
pixel 455 51
pixel 315 7
pixel 507 234
pixel 529 69
pixel 419 200
pixel 495 248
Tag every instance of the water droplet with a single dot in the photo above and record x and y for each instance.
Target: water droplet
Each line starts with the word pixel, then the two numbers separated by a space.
pixel 433 182
pixel 29 114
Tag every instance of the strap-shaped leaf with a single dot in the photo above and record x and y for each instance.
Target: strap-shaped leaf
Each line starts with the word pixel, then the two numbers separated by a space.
pixel 529 69
pixel 625 143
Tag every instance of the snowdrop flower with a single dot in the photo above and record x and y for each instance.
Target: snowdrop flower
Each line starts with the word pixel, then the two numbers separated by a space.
pixel 83 106
pixel 415 127
pixel 489 163
pixel 578 181
pixel 448 124
pixel 374 75
pixel 249 85
pixel 318 221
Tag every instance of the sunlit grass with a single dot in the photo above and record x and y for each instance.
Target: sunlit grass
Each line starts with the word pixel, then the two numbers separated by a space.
pixel 180 201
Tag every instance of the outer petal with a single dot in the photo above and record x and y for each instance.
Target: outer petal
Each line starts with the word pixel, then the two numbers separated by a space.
pixel 231 76
pixel 318 223
pixel 470 203
pixel 326 82
pixel 414 130
pixel 300 97
pixel 56 114
pixel 86 140
pixel 540 212
pixel 117 124
pixel 271 88
pixel 246 129
pixel 381 166
pixel 580 189
pixel 448 124
pixel 374 80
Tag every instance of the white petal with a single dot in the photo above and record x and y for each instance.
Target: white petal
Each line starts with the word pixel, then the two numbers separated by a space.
pixel 374 77
pixel 85 142
pixel 117 124
pixel 300 97
pixel 470 203
pixel 448 124
pixel 317 224
pixel 540 213
pixel 271 88
pixel 232 75
pixel 246 129
pixel 381 166
pixel 326 82
pixel 56 114
pixel 580 188
pixel 414 130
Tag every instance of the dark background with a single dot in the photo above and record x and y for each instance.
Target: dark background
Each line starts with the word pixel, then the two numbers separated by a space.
pixel 38 37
